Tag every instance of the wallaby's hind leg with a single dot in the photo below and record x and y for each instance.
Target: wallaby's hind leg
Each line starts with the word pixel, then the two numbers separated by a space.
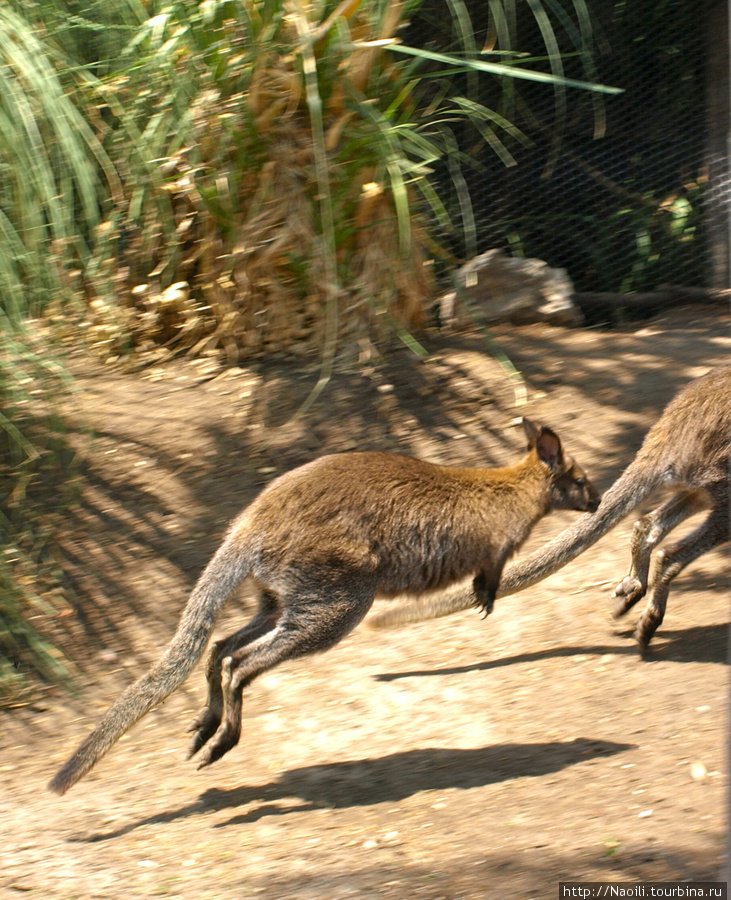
pixel 646 535
pixel 208 719
pixel 307 625
pixel 671 561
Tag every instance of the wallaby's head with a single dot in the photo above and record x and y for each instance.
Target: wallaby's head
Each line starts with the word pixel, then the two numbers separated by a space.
pixel 570 488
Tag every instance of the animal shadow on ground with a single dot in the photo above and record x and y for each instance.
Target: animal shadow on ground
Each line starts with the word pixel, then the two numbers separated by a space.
pixel 388 779
pixel 702 644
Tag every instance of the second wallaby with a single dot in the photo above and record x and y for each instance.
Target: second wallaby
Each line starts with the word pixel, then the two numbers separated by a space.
pixel 320 542
pixel 689 447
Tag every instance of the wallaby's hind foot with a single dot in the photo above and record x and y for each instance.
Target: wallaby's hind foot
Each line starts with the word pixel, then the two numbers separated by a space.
pixel 654 613
pixel 206 723
pixel 225 739
pixel 646 535
pixel 649 622
pixel 208 720
pixel 628 591
pixel 203 727
pixel 670 562
pixel 226 735
pixel 302 629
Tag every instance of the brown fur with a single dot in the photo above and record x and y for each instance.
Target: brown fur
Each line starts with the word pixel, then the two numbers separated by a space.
pixel 689 447
pixel 320 542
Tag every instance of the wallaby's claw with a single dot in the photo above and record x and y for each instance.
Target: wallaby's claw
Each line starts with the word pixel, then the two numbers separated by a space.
pixel 198 721
pixel 485 606
pixel 225 739
pixel 205 726
pixel 195 745
pixel 483 610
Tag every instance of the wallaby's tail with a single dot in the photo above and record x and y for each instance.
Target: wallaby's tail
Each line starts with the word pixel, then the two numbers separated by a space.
pixel 625 494
pixel 229 565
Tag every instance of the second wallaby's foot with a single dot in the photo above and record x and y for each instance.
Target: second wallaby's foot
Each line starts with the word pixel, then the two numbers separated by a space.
pixel 629 590
pixel 649 622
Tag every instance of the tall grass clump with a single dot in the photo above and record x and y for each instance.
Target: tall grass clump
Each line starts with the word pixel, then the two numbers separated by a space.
pixel 276 163
pixel 50 195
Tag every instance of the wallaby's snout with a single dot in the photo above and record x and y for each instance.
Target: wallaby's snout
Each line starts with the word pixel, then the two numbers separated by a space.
pixel 592 498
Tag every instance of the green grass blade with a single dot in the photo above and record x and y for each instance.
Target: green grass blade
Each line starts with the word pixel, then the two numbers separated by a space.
pixel 504 70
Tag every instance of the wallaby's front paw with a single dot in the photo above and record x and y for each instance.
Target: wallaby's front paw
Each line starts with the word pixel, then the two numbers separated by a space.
pixel 224 740
pixel 629 590
pixel 484 594
pixel 484 603
pixel 205 725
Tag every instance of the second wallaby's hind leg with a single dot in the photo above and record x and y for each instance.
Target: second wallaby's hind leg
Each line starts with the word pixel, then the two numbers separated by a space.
pixel 306 625
pixel 646 535
pixel 670 562
pixel 208 719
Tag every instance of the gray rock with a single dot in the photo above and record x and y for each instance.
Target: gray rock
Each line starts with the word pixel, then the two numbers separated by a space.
pixel 494 287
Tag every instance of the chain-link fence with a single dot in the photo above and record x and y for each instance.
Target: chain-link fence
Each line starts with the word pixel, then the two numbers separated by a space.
pixel 626 192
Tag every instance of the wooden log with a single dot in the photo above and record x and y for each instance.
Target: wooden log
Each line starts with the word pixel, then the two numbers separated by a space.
pixel 607 306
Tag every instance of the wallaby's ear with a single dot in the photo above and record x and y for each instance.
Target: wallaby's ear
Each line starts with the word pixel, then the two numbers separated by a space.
pixel 531 432
pixel 548 447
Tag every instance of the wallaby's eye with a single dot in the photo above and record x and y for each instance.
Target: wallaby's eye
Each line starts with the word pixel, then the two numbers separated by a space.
pixel 580 482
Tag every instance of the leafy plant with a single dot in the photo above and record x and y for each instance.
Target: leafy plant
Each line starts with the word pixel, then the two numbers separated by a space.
pixel 277 164
pixel 49 189
pixel 49 205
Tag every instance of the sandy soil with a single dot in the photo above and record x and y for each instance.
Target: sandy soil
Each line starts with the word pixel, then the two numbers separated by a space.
pixel 453 759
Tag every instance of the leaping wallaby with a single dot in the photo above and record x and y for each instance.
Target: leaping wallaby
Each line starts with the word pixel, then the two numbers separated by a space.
pixel 320 542
pixel 688 447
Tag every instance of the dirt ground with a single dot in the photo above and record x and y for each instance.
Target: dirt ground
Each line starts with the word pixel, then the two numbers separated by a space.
pixel 460 758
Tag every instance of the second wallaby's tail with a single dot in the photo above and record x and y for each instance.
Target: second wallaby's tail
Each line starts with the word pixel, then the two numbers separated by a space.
pixel 626 493
pixel 227 568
